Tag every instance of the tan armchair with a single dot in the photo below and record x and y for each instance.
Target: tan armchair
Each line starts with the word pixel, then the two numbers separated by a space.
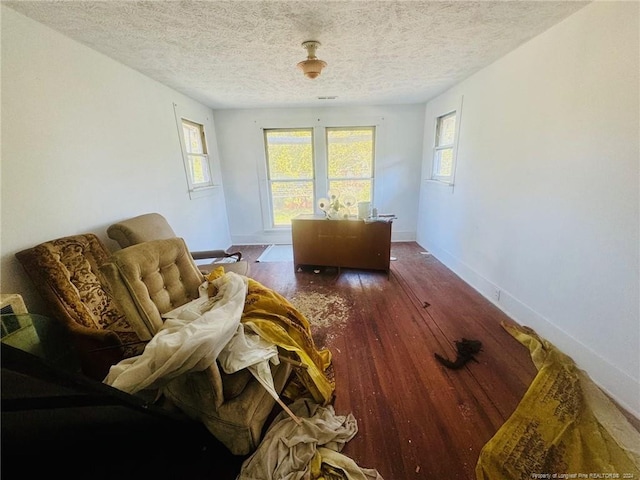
pixel 153 226
pixel 66 273
pixel 155 277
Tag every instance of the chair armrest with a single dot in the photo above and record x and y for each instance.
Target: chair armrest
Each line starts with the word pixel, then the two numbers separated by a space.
pixel 97 350
pixel 101 338
pixel 238 255
pixel 203 255
pixel 213 374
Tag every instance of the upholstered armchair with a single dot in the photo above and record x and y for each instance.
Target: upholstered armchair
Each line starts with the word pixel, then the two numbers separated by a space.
pixel 152 278
pixel 153 226
pixel 66 273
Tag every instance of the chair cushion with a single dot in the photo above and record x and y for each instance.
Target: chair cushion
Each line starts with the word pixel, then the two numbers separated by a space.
pixel 233 384
pixel 151 278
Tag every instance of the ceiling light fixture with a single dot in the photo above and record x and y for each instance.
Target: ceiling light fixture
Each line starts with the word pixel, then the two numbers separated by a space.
pixel 312 66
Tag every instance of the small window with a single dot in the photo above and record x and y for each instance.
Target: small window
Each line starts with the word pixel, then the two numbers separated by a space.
pixel 444 148
pixel 350 154
pixel 290 173
pixel 195 155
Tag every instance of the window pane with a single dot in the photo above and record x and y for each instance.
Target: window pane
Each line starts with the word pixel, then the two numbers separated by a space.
pixel 350 152
pixel 192 137
pixel 446 129
pixel 444 162
pixel 290 154
pixel 359 189
pixel 199 169
pixel 290 199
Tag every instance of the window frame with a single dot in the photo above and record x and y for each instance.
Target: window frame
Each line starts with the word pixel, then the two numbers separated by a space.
pixel 202 119
pixel 270 181
pixel 438 148
pixel 204 156
pixel 318 124
pixel 371 178
pixel 455 107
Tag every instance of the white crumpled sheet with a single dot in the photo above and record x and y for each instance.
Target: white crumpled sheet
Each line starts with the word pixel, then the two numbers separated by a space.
pixel 288 450
pixel 194 336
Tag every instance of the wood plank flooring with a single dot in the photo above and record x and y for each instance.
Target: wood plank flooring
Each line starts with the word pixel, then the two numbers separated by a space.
pixel 416 419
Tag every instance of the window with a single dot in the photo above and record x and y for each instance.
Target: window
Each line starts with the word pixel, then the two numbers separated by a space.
pixel 195 155
pixel 290 173
pixel 444 148
pixel 304 165
pixel 350 153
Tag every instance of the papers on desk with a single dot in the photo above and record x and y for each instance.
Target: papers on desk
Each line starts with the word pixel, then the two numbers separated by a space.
pixel 381 217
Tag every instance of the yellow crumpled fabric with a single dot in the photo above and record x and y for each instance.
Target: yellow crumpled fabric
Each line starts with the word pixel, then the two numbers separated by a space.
pixel 564 426
pixel 275 319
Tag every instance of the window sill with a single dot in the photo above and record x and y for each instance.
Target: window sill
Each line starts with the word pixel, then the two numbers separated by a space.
pixel 283 228
pixel 439 182
pixel 202 191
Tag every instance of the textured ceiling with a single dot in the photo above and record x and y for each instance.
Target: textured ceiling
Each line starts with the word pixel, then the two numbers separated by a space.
pixel 241 54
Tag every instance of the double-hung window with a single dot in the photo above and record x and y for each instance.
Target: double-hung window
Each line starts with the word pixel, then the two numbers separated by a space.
pixel 350 154
pixel 290 173
pixel 297 178
pixel 444 148
pixel 195 155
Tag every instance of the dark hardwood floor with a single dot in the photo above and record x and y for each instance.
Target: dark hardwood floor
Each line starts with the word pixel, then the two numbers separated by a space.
pixel 416 419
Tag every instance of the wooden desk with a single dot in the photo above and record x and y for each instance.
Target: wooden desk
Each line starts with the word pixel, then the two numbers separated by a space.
pixel 351 243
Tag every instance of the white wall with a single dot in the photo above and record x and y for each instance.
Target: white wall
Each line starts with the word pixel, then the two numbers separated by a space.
pixel 86 142
pixel 545 206
pixel 398 159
